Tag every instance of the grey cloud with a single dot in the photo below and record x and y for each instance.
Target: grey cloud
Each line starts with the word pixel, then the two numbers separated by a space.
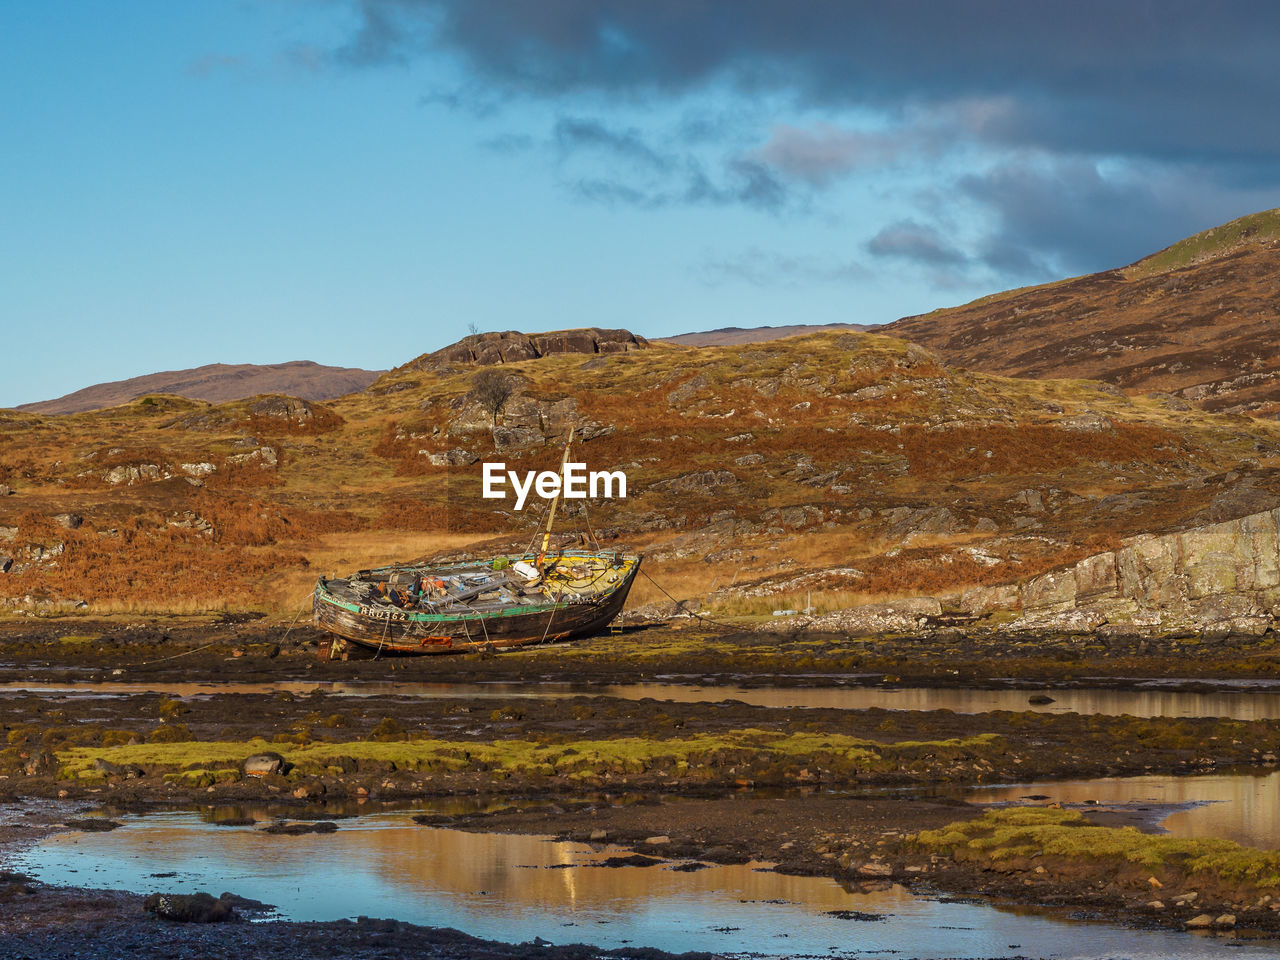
pixel 474 99
pixel 646 175
pixel 575 133
pixel 908 240
pixel 1180 79
pixel 741 182
pixel 1068 214
pixel 821 155
pixel 1179 97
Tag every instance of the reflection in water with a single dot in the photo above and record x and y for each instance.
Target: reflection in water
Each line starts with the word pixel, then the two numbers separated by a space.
pixel 1240 807
pixel 515 888
pixel 1236 704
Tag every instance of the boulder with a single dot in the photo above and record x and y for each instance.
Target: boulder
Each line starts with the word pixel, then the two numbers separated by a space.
pixel 457 457
pixel 1085 423
pixel 130 474
pixel 264 457
pixel 513 438
pixel 189 908
pixel 875 869
pixel 264 765
pixel 292 409
pixel 1031 499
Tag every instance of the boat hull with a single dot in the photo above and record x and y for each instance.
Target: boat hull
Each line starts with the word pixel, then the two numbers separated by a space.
pixel 406 632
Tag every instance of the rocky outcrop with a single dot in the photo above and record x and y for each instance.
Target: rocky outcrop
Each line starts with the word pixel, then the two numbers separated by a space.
pixel 485 349
pixel 292 409
pixel 1223 577
pixel 1219 580
pixel 524 422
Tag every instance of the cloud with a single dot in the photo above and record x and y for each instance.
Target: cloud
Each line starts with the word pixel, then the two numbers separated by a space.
pixel 660 171
pixel 1080 218
pixel 908 240
pixel 764 268
pixel 823 154
pixel 1182 79
pixel 573 134
pixel 1085 133
pixel 740 182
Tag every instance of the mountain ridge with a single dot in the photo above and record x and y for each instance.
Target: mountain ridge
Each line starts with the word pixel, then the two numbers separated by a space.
pixel 217 383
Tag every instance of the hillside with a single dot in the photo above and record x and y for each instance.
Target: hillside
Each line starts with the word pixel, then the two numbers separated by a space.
pixel 218 382
pixel 727 336
pixel 846 466
pixel 1198 320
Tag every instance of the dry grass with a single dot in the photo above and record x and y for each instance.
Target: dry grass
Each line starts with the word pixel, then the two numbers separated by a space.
pixel 352 491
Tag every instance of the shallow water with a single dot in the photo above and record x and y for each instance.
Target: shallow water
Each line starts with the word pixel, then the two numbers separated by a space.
pixel 1240 807
pixel 516 888
pixel 1238 704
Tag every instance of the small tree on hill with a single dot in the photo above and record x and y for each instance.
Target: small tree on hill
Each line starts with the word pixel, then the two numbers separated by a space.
pixel 492 389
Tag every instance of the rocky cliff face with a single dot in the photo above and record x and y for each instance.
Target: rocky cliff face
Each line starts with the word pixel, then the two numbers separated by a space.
pixel 483 349
pixel 1216 581
pixel 1219 579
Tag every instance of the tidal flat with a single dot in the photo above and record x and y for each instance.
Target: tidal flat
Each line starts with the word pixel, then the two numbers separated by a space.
pixel 119 720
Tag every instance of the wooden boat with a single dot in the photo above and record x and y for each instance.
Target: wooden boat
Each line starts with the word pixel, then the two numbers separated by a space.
pixel 499 602
pixel 505 601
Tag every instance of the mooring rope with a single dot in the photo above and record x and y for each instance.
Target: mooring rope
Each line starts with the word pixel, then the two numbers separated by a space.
pixel 147 663
pixel 680 605
pixel 301 611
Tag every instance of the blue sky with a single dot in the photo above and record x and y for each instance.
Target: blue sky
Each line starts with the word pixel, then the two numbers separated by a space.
pixel 357 182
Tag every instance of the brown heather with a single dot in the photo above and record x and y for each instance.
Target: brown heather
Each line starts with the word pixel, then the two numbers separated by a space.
pixel 863 453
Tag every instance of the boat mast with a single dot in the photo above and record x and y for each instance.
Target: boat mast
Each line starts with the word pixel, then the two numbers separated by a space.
pixel 551 514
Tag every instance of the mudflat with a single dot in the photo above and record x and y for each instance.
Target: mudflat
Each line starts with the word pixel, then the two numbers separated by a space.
pixel 721 780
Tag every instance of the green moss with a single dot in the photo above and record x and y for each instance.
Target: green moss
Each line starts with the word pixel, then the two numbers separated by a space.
pixel 580 758
pixel 1021 832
